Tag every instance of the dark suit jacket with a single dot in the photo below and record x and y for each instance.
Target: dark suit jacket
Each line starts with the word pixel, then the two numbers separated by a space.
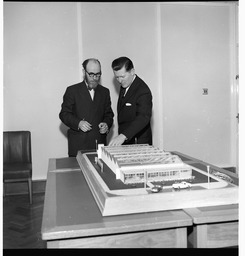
pixel 78 105
pixel 134 113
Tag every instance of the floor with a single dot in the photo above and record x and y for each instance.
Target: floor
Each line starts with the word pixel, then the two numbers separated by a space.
pixel 22 222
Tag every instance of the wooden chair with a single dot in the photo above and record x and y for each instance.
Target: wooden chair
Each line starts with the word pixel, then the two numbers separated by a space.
pixel 17 158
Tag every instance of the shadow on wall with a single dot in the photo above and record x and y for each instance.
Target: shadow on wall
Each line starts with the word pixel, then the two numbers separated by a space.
pixel 116 85
pixel 63 129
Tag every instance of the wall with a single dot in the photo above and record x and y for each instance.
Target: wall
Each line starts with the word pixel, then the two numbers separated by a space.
pixel 198 52
pixel 45 44
pixel 40 59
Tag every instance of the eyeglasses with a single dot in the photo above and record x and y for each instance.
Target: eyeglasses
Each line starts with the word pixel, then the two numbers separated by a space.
pixel 92 75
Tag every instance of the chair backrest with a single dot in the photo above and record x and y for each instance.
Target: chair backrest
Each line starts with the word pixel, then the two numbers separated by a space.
pixel 17 147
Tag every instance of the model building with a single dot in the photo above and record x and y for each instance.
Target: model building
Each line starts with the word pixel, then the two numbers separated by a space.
pixel 137 163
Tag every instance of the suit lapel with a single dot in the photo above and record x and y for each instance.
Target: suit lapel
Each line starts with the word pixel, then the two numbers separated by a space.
pixel 84 90
pixel 122 100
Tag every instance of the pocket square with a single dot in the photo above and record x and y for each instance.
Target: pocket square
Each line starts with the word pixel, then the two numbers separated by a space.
pixel 128 104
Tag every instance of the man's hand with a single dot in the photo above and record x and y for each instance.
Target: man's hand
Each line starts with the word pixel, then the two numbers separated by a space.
pixel 117 141
pixel 85 126
pixel 103 128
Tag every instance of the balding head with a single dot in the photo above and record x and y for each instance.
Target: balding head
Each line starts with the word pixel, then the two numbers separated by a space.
pixel 91 61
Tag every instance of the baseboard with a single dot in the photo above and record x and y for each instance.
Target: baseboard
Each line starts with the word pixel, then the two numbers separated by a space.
pixel 19 188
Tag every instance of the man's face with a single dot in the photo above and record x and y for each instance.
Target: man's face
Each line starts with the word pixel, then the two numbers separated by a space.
pixel 124 77
pixel 92 74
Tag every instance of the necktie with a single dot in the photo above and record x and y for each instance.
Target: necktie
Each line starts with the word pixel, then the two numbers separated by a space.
pixel 123 92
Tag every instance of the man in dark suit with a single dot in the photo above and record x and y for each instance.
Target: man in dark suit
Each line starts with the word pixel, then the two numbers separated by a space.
pixel 86 110
pixel 134 106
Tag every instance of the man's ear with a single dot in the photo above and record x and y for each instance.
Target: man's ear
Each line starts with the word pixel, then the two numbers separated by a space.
pixel 132 71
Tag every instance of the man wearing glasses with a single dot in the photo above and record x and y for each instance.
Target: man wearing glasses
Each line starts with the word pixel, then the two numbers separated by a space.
pixel 134 106
pixel 86 110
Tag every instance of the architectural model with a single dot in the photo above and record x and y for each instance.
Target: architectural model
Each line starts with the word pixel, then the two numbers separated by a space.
pixel 138 163
pixel 141 178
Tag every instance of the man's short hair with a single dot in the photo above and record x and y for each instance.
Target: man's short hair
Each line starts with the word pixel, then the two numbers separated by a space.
pixel 84 64
pixel 121 62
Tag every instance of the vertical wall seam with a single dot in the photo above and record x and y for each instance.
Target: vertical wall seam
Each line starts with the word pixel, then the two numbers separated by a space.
pixel 159 72
pixel 79 38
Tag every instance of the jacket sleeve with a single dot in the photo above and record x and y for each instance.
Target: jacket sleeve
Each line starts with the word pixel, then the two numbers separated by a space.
pixel 66 114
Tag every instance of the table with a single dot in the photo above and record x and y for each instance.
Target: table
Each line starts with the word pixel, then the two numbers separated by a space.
pixel 215 226
pixel 72 219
